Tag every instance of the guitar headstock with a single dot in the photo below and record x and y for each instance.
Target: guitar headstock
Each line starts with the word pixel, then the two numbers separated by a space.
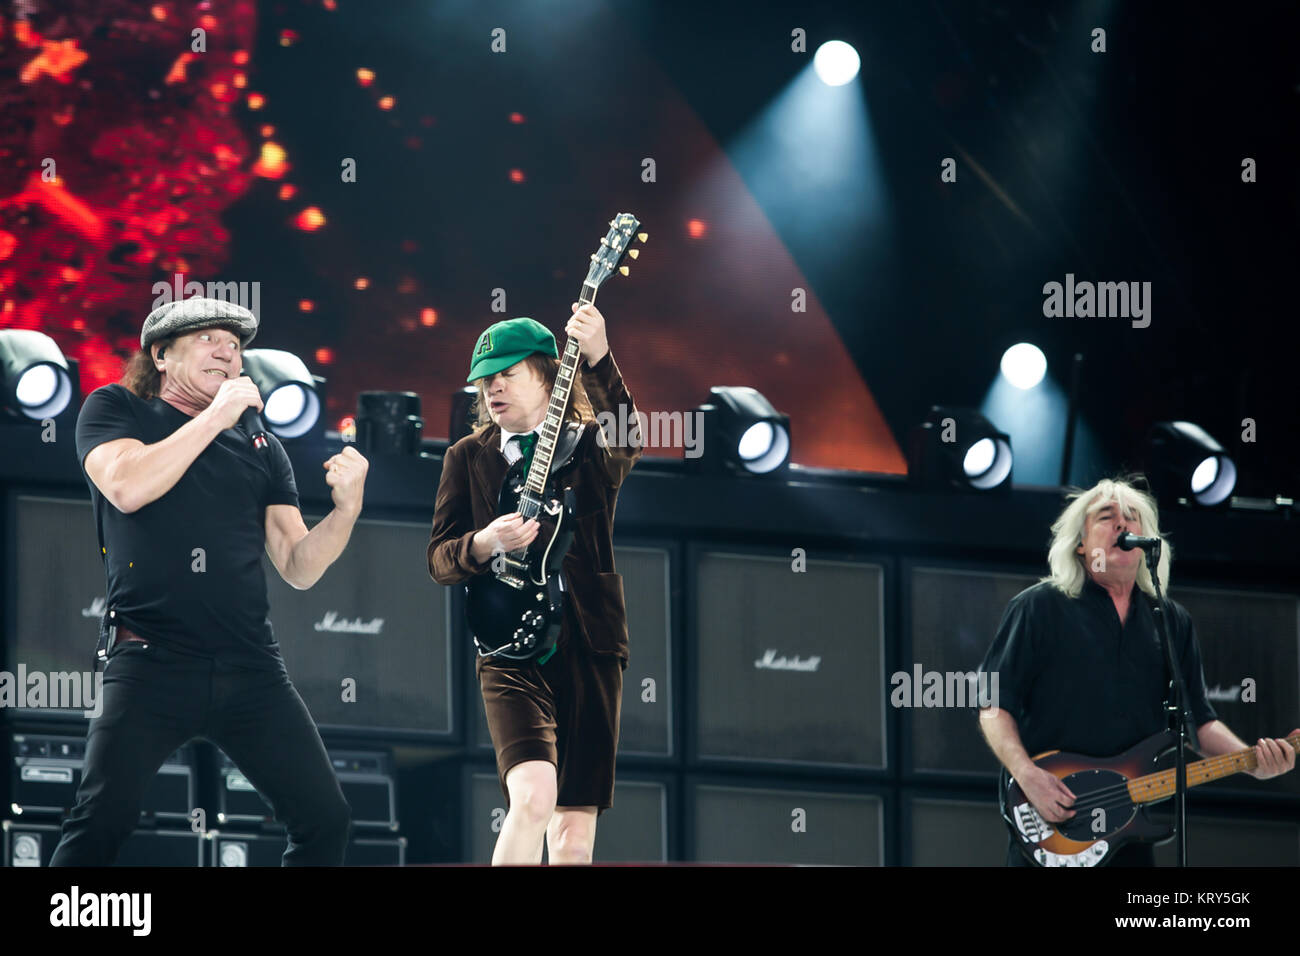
pixel 608 257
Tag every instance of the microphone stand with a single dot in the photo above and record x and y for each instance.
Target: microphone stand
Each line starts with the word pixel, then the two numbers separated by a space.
pixel 1176 705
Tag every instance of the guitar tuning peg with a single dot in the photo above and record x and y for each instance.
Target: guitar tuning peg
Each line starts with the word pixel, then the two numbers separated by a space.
pixel 634 253
pixel 624 269
pixel 643 236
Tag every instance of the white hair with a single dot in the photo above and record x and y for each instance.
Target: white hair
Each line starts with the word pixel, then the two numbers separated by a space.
pixel 1068 570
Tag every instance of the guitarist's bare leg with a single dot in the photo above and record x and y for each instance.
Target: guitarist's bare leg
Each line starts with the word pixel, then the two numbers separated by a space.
pixel 532 789
pixel 571 835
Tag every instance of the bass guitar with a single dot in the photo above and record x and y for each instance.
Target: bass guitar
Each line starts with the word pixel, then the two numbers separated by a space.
pixel 1111 800
pixel 516 611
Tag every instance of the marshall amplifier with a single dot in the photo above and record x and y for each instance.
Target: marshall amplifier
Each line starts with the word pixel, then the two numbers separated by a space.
pixel 788 661
pixel 55 598
pixel 365 777
pixel 646 719
pixel 1234 841
pixel 948 832
pixel 1250 652
pixel 774 825
pixel 259 849
pixel 634 830
pixel 369 647
pixel 954 615
pixel 47 771
pixel 32 844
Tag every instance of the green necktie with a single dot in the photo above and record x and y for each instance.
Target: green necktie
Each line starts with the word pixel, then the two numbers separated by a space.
pixel 526 443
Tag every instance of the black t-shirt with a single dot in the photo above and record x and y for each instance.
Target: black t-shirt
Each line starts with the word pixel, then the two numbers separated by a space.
pixel 186 569
pixel 1076 679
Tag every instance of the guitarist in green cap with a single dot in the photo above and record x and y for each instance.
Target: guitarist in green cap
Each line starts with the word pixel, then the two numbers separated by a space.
pixel 554 722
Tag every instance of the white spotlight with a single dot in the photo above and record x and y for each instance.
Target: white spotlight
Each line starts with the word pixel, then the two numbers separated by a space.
pixel 1024 365
pixel 836 62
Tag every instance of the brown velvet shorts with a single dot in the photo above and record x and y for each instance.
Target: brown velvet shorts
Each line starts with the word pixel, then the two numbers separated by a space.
pixel 567 712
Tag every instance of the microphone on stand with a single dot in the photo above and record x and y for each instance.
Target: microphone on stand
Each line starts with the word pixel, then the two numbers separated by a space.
pixel 251 422
pixel 1128 541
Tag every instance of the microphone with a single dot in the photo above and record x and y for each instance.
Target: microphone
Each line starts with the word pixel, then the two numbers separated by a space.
pixel 251 423
pixel 1128 541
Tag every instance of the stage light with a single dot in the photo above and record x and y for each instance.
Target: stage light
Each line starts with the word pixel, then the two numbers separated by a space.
pixel 743 433
pixel 836 62
pixel 1024 365
pixel 290 391
pixel 959 448
pixel 38 380
pixel 1185 462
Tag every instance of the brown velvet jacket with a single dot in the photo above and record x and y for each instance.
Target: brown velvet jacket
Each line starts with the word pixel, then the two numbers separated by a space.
pixel 472 472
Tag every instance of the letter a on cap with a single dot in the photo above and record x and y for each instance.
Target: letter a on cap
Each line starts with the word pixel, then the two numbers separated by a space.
pixel 484 344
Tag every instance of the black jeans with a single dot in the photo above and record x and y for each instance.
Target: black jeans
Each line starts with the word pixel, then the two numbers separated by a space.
pixel 154 701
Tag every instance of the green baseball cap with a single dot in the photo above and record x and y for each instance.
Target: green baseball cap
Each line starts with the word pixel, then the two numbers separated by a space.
pixel 505 343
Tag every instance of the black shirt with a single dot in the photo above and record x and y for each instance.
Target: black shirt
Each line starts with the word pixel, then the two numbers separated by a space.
pixel 1077 679
pixel 186 569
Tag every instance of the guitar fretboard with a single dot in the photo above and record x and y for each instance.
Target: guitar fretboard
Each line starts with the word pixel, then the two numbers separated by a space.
pixel 1160 785
pixel 554 421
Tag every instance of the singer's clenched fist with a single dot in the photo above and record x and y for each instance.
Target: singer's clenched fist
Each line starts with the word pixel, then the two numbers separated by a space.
pixel 345 473
pixel 234 395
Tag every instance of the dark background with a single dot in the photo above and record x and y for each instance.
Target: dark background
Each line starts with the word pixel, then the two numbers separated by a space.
pixel 1122 166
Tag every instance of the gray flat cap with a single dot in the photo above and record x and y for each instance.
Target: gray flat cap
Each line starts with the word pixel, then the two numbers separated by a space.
pixel 187 315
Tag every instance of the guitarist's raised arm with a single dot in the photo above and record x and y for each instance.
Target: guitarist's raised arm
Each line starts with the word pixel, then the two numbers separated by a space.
pixel 609 397
pixel 1049 795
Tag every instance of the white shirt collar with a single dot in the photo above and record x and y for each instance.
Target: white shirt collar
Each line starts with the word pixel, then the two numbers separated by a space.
pixel 513 453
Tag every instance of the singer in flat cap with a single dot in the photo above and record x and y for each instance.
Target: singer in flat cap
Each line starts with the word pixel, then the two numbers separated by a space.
pixel 184 504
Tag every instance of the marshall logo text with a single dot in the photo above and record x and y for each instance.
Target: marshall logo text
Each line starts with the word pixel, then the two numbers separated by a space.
pixel 771 662
pixel 341 625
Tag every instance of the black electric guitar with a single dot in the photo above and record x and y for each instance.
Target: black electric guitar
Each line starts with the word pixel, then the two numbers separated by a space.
pixel 515 612
pixel 1111 800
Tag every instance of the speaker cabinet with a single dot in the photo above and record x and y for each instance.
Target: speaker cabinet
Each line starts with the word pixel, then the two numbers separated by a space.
pixel 954 614
pixel 33 844
pixel 365 777
pixel 47 770
pixel 955 832
pixel 369 646
pixel 1234 841
pixel 733 823
pixel 56 593
pixel 232 849
pixel 1250 649
pixel 788 663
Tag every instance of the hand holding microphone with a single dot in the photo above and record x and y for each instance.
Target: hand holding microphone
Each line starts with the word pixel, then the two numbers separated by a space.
pixel 238 402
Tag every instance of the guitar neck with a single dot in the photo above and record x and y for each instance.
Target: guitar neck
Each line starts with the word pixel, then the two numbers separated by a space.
pixel 1160 785
pixel 554 421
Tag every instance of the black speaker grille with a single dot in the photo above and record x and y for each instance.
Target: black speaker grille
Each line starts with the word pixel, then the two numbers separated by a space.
pixel 958 833
pixel 744 825
pixel 1252 636
pixel 377 621
pixel 955 614
pixel 790 664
